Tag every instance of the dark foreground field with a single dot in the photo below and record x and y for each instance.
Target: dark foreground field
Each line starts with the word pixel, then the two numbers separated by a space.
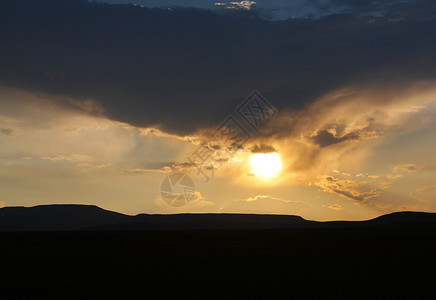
pixel 220 264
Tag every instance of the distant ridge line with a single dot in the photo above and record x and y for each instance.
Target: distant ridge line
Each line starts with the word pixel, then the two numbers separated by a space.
pixel 72 217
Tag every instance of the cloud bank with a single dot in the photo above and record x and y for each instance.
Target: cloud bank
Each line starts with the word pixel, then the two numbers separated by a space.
pixel 185 69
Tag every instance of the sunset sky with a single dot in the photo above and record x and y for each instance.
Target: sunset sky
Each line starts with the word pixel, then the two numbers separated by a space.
pixel 99 103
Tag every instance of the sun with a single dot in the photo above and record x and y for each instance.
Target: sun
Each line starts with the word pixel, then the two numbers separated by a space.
pixel 266 165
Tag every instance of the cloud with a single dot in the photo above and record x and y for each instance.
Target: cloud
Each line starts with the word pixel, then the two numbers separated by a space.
pixel 183 165
pixel 265 204
pixel 336 207
pixel 46 135
pixel 165 167
pixel 398 171
pixel 363 6
pixel 409 207
pixel 198 202
pixel 387 208
pixel 136 94
pixel 246 5
pixel 262 149
pixel 348 189
pixel 196 66
pixel 408 168
pixel 331 131
pixel 325 138
pixel 394 176
pixel 72 157
pixel 161 170
pixel 160 133
pixel 284 9
pixel 425 196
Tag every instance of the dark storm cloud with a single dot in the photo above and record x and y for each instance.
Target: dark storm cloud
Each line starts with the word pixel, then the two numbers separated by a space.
pixel 262 149
pixel 185 69
pixel 325 138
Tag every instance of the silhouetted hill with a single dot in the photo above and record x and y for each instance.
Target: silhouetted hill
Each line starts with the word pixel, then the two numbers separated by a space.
pixel 396 219
pixel 56 217
pixel 208 221
pixel 405 217
pixel 89 217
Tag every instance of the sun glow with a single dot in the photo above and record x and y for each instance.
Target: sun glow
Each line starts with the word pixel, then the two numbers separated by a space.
pixel 265 165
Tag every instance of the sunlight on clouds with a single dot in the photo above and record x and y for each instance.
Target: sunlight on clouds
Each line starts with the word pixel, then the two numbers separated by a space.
pixel 349 189
pixel 198 203
pixel 425 196
pixel 73 157
pixel 326 147
pixel 353 123
pixel 63 148
pixel 339 132
pixel 336 207
pixel 343 127
pixel 266 165
pixel 58 133
pixel 266 204
pixel 160 133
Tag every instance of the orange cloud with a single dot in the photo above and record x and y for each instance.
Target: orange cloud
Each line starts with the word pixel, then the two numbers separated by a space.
pixel 348 189
pixel 265 204
pixel 336 207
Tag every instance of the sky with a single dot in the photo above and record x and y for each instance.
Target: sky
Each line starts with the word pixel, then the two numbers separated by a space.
pixel 101 103
pixel 269 9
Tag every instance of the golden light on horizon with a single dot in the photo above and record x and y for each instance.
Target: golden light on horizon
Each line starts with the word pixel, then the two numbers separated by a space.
pixel 266 165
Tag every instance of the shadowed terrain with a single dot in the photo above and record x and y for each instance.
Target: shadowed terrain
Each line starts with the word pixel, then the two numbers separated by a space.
pixel 256 256
pixel 89 217
pixel 220 264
